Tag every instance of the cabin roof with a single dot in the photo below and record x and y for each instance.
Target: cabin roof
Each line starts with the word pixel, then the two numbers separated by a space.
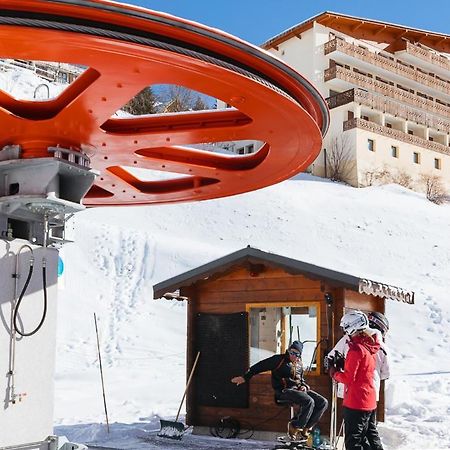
pixel 255 257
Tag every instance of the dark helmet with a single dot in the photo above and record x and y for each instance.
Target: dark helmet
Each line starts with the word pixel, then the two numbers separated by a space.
pixel 379 322
pixel 297 345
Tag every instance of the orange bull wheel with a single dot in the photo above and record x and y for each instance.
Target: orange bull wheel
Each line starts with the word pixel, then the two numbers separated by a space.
pixel 124 49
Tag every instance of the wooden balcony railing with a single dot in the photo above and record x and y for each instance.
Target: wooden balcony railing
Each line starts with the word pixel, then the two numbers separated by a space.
pixel 386 105
pixel 427 55
pixel 379 87
pixel 384 62
pixel 396 134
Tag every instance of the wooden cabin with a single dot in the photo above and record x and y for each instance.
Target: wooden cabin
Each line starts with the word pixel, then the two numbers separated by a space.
pixel 250 305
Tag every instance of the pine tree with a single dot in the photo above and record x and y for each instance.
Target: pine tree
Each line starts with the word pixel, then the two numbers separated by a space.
pixel 143 103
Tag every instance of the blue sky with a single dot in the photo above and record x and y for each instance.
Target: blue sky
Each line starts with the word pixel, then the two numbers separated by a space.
pixel 258 20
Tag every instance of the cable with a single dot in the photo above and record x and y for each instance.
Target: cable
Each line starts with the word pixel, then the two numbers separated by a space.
pixel 230 428
pixel 22 293
pixel 226 428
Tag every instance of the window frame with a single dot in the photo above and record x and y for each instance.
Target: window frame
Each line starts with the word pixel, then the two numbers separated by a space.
pixel 317 304
pixel 438 166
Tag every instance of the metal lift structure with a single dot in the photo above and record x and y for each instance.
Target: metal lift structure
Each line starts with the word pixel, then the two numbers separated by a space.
pixel 62 155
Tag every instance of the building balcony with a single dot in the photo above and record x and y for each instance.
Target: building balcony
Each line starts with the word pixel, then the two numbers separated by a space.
pixel 386 105
pixel 351 78
pixel 387 63
pixel 395 134
pixel 428 56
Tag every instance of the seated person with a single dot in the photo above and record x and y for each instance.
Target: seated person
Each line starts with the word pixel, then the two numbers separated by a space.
pixel 289 385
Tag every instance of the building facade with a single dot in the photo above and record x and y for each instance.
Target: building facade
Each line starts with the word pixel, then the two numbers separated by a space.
pixel 388 89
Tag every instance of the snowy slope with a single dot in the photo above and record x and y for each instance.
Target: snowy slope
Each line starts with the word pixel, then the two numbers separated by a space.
pixel 387 233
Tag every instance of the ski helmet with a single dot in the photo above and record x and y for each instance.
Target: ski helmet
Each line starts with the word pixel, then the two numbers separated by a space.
pixel 297 345
pixel 354 321
pixel 379 322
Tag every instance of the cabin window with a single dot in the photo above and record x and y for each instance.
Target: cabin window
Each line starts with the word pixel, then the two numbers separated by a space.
pixel 273 328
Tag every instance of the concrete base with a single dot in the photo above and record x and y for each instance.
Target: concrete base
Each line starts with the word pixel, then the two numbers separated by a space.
pixel 257 435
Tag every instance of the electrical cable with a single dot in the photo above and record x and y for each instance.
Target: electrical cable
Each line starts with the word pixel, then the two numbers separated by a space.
pixel 227 428
pixel 22 293
pixel 231 428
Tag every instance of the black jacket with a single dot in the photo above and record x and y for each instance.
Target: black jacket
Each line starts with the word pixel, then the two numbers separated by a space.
pixel 285 374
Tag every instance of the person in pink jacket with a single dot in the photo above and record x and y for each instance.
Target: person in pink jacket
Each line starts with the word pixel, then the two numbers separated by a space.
pixel 360 397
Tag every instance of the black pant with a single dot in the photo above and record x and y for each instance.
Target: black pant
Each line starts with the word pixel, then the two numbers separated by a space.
pixel 312 406
pixel 372 441
pixel 359 427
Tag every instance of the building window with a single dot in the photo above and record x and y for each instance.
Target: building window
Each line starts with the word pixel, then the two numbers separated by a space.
pixel 430 138
pixel 388 125
pixel 365 118
pixel 416 158
pixel 411 132
pixel 371 145
pixel 273 328
pixel 394 151
pixel 437 163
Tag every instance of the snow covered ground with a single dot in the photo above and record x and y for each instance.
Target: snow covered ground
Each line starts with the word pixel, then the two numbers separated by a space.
pixel 385 233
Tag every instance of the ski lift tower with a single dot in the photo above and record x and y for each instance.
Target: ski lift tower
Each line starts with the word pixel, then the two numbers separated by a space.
pixel 64 154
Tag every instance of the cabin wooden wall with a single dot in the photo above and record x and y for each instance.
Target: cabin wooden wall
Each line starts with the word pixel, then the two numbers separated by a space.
pixel 231 293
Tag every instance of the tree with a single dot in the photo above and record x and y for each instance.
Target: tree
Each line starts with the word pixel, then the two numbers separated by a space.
pixel 434 188
pixel 403 179
pixel 143 103
pixel 199 104
pixel 179 98
pixel 340 163
pixel 377 176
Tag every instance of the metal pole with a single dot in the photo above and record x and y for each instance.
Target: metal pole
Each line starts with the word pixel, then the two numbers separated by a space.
pixel 101 373
pixel 333 422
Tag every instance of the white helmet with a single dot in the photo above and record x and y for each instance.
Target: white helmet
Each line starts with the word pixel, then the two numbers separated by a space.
pixel 354 321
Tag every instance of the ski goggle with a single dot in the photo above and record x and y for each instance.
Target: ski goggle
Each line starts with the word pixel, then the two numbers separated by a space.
pixel 294 353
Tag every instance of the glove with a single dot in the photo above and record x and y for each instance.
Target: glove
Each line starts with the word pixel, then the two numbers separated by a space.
pixel 332 371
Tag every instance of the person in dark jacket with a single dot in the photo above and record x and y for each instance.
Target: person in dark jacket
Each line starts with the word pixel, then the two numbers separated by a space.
pixel 289 385
pixel 360 399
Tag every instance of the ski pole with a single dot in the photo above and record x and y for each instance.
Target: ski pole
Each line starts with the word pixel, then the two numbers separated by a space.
pixel 101 373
